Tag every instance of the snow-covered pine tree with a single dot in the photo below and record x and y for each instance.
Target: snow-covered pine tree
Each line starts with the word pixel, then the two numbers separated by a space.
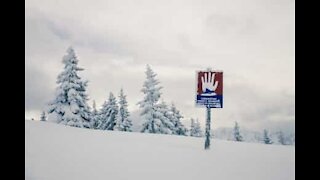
pixel 236 132
pixel 152 112
pixel 281 138
pixel 266 138
pixel 195 129
pixel 164 119
pixel 108 114
pixel 70 105
pixel 192 127
pixel 123 121
pixel 199 132
pixel 180 129
pixel 95 116
pixel 43 116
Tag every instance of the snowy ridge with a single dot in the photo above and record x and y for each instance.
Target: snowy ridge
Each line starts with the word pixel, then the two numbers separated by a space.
pixel 58 152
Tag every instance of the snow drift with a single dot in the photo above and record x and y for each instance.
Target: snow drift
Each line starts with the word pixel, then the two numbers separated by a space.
pixel 58 152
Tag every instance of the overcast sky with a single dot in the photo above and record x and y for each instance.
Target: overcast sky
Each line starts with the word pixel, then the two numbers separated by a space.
pixel 251 41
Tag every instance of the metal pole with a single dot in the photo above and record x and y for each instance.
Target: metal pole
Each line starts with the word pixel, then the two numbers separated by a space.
pixel 207 142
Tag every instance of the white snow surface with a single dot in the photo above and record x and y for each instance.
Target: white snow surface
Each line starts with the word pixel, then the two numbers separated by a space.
pixel 59 152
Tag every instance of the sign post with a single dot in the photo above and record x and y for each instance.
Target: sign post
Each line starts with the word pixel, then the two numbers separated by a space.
pixel 210 95
pixel 207 142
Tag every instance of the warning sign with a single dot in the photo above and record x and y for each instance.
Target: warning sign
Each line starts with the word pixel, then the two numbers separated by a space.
pixel 209 89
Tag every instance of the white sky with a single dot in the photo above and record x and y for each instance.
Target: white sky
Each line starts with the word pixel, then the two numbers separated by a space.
pixel 252 41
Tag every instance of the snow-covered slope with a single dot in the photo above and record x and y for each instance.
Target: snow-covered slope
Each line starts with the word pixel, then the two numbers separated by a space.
pixel 58 152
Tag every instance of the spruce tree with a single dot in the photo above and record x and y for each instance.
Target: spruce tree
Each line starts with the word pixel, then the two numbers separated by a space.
pixel 199 132
pixel 154 118
pixel 266 137
pixel 70 104
pixel 180 129
pixel 95 116
pixel 43 116
pixel 124 123
pixel 236 133
pixel 108 114
pixel 164 118
pixel 195 129
pixel 192 124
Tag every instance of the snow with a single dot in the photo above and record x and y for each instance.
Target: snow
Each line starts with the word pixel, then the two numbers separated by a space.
pixel 59 152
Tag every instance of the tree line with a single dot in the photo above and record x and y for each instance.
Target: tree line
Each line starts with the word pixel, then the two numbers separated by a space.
pixel 70 107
